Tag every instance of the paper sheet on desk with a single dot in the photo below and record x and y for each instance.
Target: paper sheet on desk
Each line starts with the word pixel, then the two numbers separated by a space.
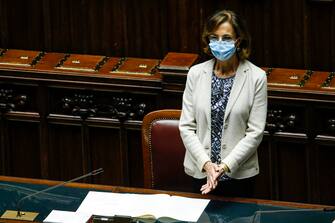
pixel 56 216
pixel 136 205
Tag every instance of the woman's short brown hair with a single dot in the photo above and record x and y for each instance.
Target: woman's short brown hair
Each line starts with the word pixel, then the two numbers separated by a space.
pixel 239 27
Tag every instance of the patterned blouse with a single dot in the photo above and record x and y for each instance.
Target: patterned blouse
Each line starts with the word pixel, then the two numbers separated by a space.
pixel 221 88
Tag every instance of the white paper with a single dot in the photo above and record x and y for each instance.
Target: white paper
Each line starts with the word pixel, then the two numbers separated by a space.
pixel 57 216
pixel 137 205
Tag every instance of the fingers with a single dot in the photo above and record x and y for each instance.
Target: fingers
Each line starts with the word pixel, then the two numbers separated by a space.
pixel 205 189
pixel 211 179
pixel 209 186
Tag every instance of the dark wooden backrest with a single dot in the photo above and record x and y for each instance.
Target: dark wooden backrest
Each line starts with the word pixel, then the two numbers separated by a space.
pixel 163 152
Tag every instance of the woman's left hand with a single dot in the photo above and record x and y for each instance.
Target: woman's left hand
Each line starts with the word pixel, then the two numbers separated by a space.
pixel 206 188
pixel 209 186
pixel 212 180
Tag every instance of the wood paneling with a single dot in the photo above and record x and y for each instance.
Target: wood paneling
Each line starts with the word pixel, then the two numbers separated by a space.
pixel 292 182
pixel 135 160
pixel 65 148
pixel 322 21
pixel 23 149
pixel 59 124
pixel 106 153
pixel 263 184
pixel 325 173
pixel 293 34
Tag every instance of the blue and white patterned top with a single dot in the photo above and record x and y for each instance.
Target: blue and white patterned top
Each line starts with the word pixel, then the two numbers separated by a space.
pixel 221 88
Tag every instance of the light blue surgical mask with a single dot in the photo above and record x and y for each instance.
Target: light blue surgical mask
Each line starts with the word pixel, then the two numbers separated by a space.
pixel 222 49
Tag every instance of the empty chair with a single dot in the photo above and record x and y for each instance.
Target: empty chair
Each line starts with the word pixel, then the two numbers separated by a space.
pixel 163 152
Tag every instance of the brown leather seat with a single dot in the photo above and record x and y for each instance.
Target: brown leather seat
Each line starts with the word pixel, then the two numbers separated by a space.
pixel 163 152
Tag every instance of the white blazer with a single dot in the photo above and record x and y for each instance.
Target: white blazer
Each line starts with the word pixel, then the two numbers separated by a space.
pixel 244 120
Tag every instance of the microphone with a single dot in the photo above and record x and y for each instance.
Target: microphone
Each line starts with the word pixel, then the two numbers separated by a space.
pixel 21 215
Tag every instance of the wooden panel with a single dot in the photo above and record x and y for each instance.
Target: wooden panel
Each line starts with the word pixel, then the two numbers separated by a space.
pixel 263 183
pixel 3 145
pixel 325 173
pixel 78 62
pixel 131 66
pixel 284 33
pixel 177 62
pixel 66 156
pixel 69 34
pixel 18 97
pixel 145 23
pixel 22 58
pixel 259 23
pixel 322 35
pixel 135 156
pixel 183 30
pixel 325 124
pixel 91 103
pixel 109 36
pixel 23 149
pixel 24 24
pixel 287 34
pixel 106 152
pixel 79 121
pixel 286 117
pixel 292 178
pixel 168 100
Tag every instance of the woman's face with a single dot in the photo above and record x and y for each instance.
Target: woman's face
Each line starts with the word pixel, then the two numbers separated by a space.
pixel 225 31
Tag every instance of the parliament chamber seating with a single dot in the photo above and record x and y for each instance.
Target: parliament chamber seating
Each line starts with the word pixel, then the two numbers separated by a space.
pixel 163 152
pixel 63 114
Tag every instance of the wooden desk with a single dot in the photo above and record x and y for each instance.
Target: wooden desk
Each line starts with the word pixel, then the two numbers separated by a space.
pixel 63 114
pixel 217 205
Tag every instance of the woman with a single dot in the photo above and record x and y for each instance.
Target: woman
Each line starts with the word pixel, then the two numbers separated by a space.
pixel 224 111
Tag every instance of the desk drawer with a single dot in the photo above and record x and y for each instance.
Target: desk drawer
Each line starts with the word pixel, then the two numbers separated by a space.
pixel 21 98
pixel 92 103
pixel 324 119
pixel 283 117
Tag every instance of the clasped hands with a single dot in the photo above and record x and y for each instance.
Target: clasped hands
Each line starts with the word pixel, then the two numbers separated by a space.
pixel 213 172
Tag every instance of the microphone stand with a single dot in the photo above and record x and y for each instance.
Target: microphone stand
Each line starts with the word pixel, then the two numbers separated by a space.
pixel 21 215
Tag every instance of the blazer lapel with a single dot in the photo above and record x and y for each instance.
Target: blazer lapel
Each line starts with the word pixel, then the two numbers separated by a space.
pixel 207 80
pixel 239 81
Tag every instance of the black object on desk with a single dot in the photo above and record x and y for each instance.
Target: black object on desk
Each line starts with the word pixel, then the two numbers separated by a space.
pixel 108 219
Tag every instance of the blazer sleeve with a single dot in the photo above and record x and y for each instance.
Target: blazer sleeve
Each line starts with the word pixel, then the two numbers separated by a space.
pixel 255 128
pixel 188 125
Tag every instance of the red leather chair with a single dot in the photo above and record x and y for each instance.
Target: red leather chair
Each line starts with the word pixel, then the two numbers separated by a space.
pixel 163 152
